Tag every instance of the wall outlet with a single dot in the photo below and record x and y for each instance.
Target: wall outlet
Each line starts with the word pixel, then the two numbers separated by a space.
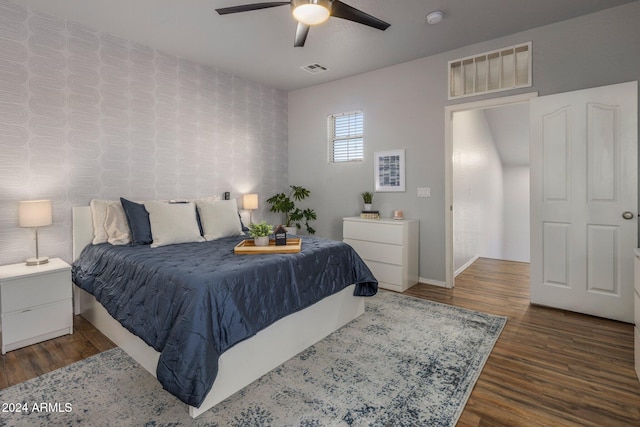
pixel 424 191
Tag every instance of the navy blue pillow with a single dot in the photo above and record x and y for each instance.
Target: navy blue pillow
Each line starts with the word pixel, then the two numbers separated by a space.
pixel 199 221
pixel 138 219
pixel 244 227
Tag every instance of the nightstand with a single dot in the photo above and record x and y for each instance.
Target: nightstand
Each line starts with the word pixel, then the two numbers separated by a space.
pixel 35 303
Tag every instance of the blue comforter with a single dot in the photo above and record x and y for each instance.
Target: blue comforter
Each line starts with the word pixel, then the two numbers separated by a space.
pixel 193 301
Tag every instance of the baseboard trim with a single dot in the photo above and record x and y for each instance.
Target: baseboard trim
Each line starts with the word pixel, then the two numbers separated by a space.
pixel 466 265
pixel 432 282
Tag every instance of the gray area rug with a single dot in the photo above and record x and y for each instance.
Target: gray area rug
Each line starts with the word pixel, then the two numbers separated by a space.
pixel 405 362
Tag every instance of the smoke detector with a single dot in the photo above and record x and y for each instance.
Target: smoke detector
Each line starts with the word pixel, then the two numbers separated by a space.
pixel 435 17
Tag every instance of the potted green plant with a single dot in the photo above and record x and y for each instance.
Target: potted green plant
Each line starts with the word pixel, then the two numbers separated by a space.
pixel 367 198
pixel 294 216
pixel 260 233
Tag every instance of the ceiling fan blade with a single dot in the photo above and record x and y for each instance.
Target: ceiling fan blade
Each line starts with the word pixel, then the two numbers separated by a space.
pixel 344 11
pixel 249 7
pixel 301 34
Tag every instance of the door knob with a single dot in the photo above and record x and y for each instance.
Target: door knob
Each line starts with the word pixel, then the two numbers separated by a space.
pixel 627 215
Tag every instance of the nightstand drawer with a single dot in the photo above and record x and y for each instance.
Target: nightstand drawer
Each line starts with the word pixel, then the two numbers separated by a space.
pixel 32 291
pixel 381 252
pixel 34 322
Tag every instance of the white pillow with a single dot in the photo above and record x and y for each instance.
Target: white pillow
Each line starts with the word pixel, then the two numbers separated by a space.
pixel 116 226
pixel 219 219
pixel 172 223
pixel 99 214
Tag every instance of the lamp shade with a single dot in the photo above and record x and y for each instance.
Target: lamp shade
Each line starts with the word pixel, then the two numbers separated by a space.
pixel 250 201
pixel 311 12
pixel 34 213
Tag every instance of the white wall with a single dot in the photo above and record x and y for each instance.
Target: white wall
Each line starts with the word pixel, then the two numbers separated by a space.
pixel 510 129
pixel 404 108
pixel 491 184
pixel 87 115
pixel 478 192
pixel 516 240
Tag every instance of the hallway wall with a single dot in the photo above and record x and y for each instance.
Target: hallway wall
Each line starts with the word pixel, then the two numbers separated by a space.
pixel 477 189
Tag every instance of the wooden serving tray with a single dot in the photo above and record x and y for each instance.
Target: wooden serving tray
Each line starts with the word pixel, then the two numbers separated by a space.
pixel 248 247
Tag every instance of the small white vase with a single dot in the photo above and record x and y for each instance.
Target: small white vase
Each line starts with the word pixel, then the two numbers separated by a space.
pixel 367 206
pixel 261 241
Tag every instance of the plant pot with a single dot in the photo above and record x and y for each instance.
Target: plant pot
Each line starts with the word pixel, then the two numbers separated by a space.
pixel 261 241
pixel 367 206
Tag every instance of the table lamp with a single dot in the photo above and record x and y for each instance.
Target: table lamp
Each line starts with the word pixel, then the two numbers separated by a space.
pixel 35 213
pixel 250 202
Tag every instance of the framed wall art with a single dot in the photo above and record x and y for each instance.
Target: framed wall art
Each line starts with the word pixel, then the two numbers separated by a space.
pixel 389 170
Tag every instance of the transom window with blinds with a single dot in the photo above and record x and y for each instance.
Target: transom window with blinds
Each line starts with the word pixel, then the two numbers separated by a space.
pixel 345 137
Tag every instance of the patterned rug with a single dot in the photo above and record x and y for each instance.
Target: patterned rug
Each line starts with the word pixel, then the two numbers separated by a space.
pixel 405 362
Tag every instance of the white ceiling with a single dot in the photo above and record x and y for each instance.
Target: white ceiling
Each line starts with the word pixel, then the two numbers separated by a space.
pixel 258 45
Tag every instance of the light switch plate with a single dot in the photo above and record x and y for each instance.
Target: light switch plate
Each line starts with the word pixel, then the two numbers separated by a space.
pixel 424 191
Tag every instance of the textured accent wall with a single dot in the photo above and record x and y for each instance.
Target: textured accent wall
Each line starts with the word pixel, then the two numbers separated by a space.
pixel 84 114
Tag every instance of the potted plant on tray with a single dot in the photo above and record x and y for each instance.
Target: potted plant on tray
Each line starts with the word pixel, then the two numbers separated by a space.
pixel 367 198
pixel 294 216
pixel 260 233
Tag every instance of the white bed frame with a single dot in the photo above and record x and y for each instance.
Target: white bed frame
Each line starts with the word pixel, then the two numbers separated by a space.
pixel 246 361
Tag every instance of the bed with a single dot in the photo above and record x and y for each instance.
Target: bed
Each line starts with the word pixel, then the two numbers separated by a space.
pixel 268 340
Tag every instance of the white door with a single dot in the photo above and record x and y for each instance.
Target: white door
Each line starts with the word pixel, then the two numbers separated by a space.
pixel 584 200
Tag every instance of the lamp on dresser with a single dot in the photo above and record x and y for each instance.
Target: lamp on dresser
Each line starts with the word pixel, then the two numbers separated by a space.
pixel 250 202
pixel 35 213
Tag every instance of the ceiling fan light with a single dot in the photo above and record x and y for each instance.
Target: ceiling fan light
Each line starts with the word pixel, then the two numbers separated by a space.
pixel 311 12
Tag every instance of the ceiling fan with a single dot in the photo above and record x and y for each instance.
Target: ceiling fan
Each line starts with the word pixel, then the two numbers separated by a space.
pixel 313 12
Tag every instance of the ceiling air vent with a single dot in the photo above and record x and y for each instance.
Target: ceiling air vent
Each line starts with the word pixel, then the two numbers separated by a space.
pixel 314 68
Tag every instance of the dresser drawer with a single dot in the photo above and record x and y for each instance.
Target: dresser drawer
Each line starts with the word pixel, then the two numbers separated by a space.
pixel 388 273
pixel 381 252
pixel 24 292
pixel 636 341
pixel 636 270
pixel 373 232
pixel 38 321
pixel 636 308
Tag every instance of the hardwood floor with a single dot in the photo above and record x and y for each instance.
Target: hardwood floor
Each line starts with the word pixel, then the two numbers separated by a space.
pixel 548 368
pixel 29 362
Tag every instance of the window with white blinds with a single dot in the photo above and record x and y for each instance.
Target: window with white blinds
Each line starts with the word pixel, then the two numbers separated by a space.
pixel 345 137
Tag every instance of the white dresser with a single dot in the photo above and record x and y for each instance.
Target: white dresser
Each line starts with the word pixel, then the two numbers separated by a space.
pixel 389 247
pixel 35 303
pixel 636 304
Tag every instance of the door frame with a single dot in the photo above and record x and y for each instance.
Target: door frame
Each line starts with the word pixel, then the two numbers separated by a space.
pixel 448 152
